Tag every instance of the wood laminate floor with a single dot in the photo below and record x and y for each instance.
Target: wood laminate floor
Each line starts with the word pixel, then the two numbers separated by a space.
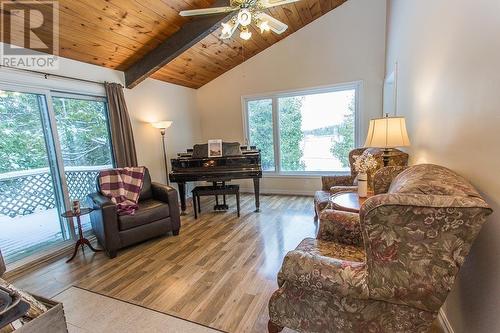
pixel 220 271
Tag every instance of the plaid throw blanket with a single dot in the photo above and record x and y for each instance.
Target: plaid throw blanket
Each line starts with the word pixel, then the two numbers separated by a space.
pixel 123 186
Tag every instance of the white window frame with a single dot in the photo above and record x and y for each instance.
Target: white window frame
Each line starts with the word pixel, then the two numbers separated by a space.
pixel 357 86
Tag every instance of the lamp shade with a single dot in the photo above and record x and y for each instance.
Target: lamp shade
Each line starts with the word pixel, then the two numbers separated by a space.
pixel 388 132
pixel 162 124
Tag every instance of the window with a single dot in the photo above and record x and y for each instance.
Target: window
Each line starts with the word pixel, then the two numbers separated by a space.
pixel 260 114
pixel 306 132
pixel 52 146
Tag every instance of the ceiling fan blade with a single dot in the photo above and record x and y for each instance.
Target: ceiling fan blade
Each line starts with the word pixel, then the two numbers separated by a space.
pixel 207 11
pixel 274 3
pixel 275 25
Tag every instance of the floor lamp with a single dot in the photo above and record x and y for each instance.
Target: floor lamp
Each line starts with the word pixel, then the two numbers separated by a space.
pixel 163 125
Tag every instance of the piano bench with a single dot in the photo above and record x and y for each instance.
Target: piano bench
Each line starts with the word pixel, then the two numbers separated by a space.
pixel 223 190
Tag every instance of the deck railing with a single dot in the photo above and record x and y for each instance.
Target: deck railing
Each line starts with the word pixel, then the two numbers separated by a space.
pixel 25 192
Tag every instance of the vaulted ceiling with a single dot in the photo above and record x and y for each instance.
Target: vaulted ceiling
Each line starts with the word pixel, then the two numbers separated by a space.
pixel 119 33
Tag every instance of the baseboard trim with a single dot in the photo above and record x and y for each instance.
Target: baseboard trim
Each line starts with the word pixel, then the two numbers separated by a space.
pixel 443 321
pixel 278 191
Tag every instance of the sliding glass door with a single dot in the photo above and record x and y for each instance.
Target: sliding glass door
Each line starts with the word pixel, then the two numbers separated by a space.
pixel 52 146
pixel 29 191
pixel 82 127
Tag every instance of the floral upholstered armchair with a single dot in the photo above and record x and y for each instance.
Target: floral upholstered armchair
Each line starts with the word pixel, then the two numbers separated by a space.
pixel 415 236
pixel 340 183
pixel 343 227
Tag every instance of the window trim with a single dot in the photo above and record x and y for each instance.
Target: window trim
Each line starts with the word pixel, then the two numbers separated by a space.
pixel 357 86
pixel 33 81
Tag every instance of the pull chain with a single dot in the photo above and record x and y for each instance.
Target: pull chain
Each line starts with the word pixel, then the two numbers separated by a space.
pixel 243 58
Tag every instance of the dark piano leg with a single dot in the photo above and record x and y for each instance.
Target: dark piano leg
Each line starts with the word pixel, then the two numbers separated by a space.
pixel 182 194
pixel 256 188
pixel 218 206
pixel 226 207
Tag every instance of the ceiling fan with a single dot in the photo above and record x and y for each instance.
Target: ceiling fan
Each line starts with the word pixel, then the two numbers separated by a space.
pixel 248 12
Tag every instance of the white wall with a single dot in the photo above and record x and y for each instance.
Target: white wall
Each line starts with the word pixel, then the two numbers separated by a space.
pixel 150 101
pixel 448 53
pixel 154 100
pixel 345 45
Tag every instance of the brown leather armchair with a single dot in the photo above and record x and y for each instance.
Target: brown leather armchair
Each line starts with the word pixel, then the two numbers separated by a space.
pixel 158 214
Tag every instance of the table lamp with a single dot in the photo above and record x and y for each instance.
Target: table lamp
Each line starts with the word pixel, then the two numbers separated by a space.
pixel 387 133
pixel 163 125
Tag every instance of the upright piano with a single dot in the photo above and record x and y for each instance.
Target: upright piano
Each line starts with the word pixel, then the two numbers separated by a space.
pixel 195 165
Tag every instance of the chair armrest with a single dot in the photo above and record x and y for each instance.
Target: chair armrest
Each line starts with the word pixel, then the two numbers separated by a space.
pixel 383 178
pixel 340 180
pixel 416 244
pixel 99 201
pixel 370 206
pixel 338 189
pixel 341 227
pixel 104 221
pixel 168 194
pixel 164 193
pixel 340 277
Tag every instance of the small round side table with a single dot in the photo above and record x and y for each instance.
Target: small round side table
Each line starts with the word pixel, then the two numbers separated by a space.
pixel 82 241
pixel 347 201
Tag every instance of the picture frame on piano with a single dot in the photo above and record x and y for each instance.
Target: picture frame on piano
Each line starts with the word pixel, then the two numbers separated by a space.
pixel 215 148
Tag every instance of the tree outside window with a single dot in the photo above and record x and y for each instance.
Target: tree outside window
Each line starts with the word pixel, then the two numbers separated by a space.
pixel 309 132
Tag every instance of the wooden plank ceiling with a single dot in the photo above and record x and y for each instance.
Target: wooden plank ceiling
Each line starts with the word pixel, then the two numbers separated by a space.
pixel 118 33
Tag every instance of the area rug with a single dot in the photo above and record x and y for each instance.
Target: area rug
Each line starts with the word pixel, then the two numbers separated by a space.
pixel 87 311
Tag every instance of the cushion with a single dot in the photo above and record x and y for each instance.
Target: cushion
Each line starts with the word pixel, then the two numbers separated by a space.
pixel 149 211
pixel 334 250
pixel 432 179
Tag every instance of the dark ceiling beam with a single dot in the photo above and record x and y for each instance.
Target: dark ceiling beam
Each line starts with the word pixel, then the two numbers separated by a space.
pixel 189 34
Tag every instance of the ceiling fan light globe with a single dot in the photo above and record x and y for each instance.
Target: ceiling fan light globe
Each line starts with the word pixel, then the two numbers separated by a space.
pixel 226 28
pixel 245 35
pixel 244 17
pixel 264 26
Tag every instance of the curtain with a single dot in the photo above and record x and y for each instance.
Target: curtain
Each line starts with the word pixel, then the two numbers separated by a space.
pixel 122 137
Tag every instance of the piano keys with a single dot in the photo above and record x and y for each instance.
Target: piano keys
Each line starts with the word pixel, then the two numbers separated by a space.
pixel 195 165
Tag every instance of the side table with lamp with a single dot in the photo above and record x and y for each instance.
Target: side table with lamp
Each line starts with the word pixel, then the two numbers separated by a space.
pixel 386 134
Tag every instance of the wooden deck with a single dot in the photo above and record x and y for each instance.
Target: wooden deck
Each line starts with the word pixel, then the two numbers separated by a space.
pixel 23 236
